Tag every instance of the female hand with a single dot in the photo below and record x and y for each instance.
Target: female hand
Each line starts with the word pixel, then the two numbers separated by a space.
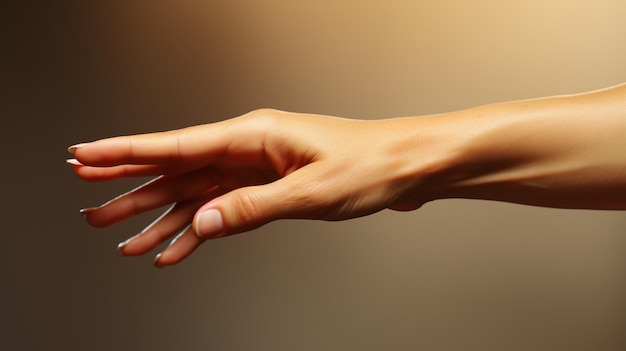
pixel 233 176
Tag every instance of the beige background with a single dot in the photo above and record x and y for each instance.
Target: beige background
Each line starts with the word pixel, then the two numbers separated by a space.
pixel 455 275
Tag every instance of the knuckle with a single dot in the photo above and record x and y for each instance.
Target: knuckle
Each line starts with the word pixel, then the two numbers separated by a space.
pixel 265 112
pixel 308 199
pixel 266 117
pixel 246 209
pixel 264 121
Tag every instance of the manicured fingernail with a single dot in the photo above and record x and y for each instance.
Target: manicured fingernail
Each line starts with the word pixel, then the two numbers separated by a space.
pixel 86 211
pixel 209 223
pixel 73 162
pixel 120 247
pixel 156 263
pixel 72 149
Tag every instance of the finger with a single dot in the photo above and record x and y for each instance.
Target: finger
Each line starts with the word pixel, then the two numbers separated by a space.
pixel 172 221
pixel 152 148
pixel 182 246
pixel 154 194
pixel 97 174
pixel 299 195
pixel 199 143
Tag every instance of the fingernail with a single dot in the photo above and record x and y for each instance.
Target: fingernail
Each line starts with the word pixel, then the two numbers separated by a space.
pixel 86 211
pixel 120 247
pixel 73 162
pixel 209 223
pixel 72 149
pixel 156 263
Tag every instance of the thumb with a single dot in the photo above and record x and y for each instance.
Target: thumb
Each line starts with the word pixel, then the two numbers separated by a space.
pixel 248 208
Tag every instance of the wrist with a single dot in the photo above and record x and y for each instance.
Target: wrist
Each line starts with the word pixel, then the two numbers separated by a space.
pixel 492 152
pixel 427 150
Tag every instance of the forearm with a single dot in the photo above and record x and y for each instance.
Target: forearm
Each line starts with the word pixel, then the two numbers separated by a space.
pixel 567 151
pixel 230 177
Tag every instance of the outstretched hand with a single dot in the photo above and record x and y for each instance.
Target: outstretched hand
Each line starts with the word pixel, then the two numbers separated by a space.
pixel 234 176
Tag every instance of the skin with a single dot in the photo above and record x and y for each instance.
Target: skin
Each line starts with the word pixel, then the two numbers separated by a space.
pixel 563 151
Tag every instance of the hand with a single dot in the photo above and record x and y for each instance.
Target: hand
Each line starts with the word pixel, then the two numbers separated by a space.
pixel 230 177
pixel 234 176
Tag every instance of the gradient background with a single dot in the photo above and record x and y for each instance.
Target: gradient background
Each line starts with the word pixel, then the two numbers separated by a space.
pixel 455 275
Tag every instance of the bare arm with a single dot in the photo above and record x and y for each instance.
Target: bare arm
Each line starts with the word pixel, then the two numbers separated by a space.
pixel 233 176
pixel 566 151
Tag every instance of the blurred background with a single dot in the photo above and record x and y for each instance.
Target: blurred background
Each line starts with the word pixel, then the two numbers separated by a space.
pixel 455 275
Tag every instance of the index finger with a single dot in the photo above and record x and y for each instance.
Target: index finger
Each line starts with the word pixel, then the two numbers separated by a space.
pixel 142 149
pixel 191 144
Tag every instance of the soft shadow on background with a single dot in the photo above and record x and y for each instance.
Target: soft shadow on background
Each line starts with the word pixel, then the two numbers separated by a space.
pixel 455 275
